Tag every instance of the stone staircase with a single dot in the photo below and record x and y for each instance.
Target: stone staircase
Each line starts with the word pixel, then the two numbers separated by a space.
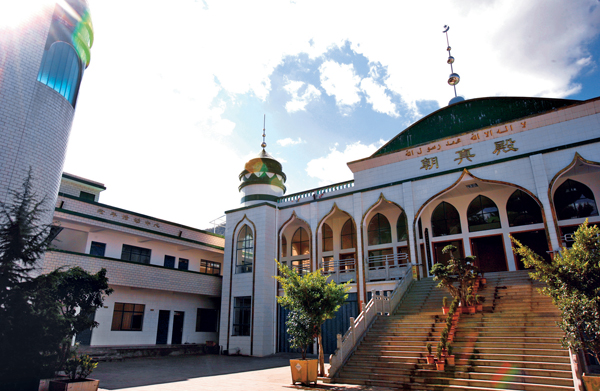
pixel 514 344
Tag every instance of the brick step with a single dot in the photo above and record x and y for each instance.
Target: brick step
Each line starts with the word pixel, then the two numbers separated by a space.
pixel 499 339
pixel 353 365
pixel 507 345
pixel 514 357
pixel 422 349
pixel 443 383
pixel 510 375
pixel 491 333
pixel 514 364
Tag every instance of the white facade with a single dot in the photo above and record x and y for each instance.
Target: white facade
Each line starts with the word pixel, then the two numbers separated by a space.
pixel 154 264
pixel 506 177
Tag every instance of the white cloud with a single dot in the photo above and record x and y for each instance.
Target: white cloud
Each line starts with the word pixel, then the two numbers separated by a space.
pixel 341 81
pixel 288 141
pixel 333 167
pixel 301 95
pixel 377 97
pixel 214 52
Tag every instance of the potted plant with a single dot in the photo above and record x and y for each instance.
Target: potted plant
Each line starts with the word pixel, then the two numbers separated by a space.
pixel 449 355
pixel 440 363
pixel 457 276
pixel 479 300
pixel 471 309
pixel 445 307
pixel 482 279
pixel 77 368
pixel 311 301
pixel 430 356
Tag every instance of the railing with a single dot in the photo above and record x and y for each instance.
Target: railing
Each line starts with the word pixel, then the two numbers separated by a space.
pixel 315 193
pixel 386 267
pixel 341 270
pixel 378 305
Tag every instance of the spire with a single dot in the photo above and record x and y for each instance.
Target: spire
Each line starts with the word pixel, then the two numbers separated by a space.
pixel 264 144
pixel 454 78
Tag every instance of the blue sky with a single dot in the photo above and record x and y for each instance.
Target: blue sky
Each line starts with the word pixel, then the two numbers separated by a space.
pixel 172 104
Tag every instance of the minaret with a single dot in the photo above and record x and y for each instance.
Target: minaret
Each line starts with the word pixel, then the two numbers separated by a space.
pixel 43 59
pixel 262 179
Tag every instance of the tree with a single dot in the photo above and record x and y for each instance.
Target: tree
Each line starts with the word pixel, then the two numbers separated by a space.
pixel 312 301
pixel 38 316
pixel 572 280
pixel 457 276
pixel 23 237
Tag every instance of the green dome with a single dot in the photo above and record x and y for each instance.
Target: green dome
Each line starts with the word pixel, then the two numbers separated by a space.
pixel 263 170
pixel 467 116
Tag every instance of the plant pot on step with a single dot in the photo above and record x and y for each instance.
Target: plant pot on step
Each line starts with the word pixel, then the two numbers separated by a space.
pixel 430 359
pixel 445 310
pixel 479 307
pixel 472 309
pixel 450 360
pixel 591 381
pixel 304 371
pixel 440 365
pixel 45 383
pixel 74 385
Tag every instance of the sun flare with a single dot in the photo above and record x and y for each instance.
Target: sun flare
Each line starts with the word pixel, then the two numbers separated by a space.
pixel 16 13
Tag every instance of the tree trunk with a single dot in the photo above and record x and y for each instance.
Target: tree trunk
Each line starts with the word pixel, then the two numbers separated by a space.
pixel 321 356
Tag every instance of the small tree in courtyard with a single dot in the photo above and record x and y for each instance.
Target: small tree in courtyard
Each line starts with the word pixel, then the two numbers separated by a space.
pixel 38 316
pixel 572 280
pixel 457 276
pixel 311 301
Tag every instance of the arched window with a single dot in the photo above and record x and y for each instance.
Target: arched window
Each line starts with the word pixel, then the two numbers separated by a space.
pixel 348 235
pixel 245 250
pixel 283 246
pixel 61 70
pixel 327 238
pixel 574 200
pixel 523 210
pixel 445 220
pixel 379 230
pixel 300 242
pixel 482 214
pixel 401 227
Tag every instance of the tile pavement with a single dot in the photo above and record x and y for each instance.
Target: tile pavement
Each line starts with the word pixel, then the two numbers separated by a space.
pixel 187 373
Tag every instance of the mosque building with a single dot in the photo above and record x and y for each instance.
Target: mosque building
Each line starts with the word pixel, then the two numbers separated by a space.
pixel 471 174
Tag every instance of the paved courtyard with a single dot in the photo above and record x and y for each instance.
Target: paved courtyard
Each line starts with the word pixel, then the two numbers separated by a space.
pixel 183 373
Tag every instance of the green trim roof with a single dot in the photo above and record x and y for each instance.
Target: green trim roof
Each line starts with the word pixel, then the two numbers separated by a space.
pixel 469 115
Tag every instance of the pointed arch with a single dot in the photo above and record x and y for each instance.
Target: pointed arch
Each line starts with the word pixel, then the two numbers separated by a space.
pixel 402 227
pixel 483 214
pixel 445 220
pixel 522 209
pixel 379 230
pixel 348 234
pixel 244 250
pixel 573 200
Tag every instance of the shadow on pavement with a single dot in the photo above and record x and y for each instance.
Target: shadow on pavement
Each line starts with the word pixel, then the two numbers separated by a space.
pixel 159 370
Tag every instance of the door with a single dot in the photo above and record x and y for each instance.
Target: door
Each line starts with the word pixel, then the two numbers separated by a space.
pixel 162 331
pixel 177 328
pixel 85 337
pixel 535 240
pixel 489 253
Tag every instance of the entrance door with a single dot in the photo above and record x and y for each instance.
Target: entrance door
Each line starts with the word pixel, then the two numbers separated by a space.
pixel 162 333
pixel 535 240
pixel 85 337
pixel 489 253
pixel 177 328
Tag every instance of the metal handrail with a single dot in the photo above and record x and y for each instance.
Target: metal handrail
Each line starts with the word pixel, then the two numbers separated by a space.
pixel 378 306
